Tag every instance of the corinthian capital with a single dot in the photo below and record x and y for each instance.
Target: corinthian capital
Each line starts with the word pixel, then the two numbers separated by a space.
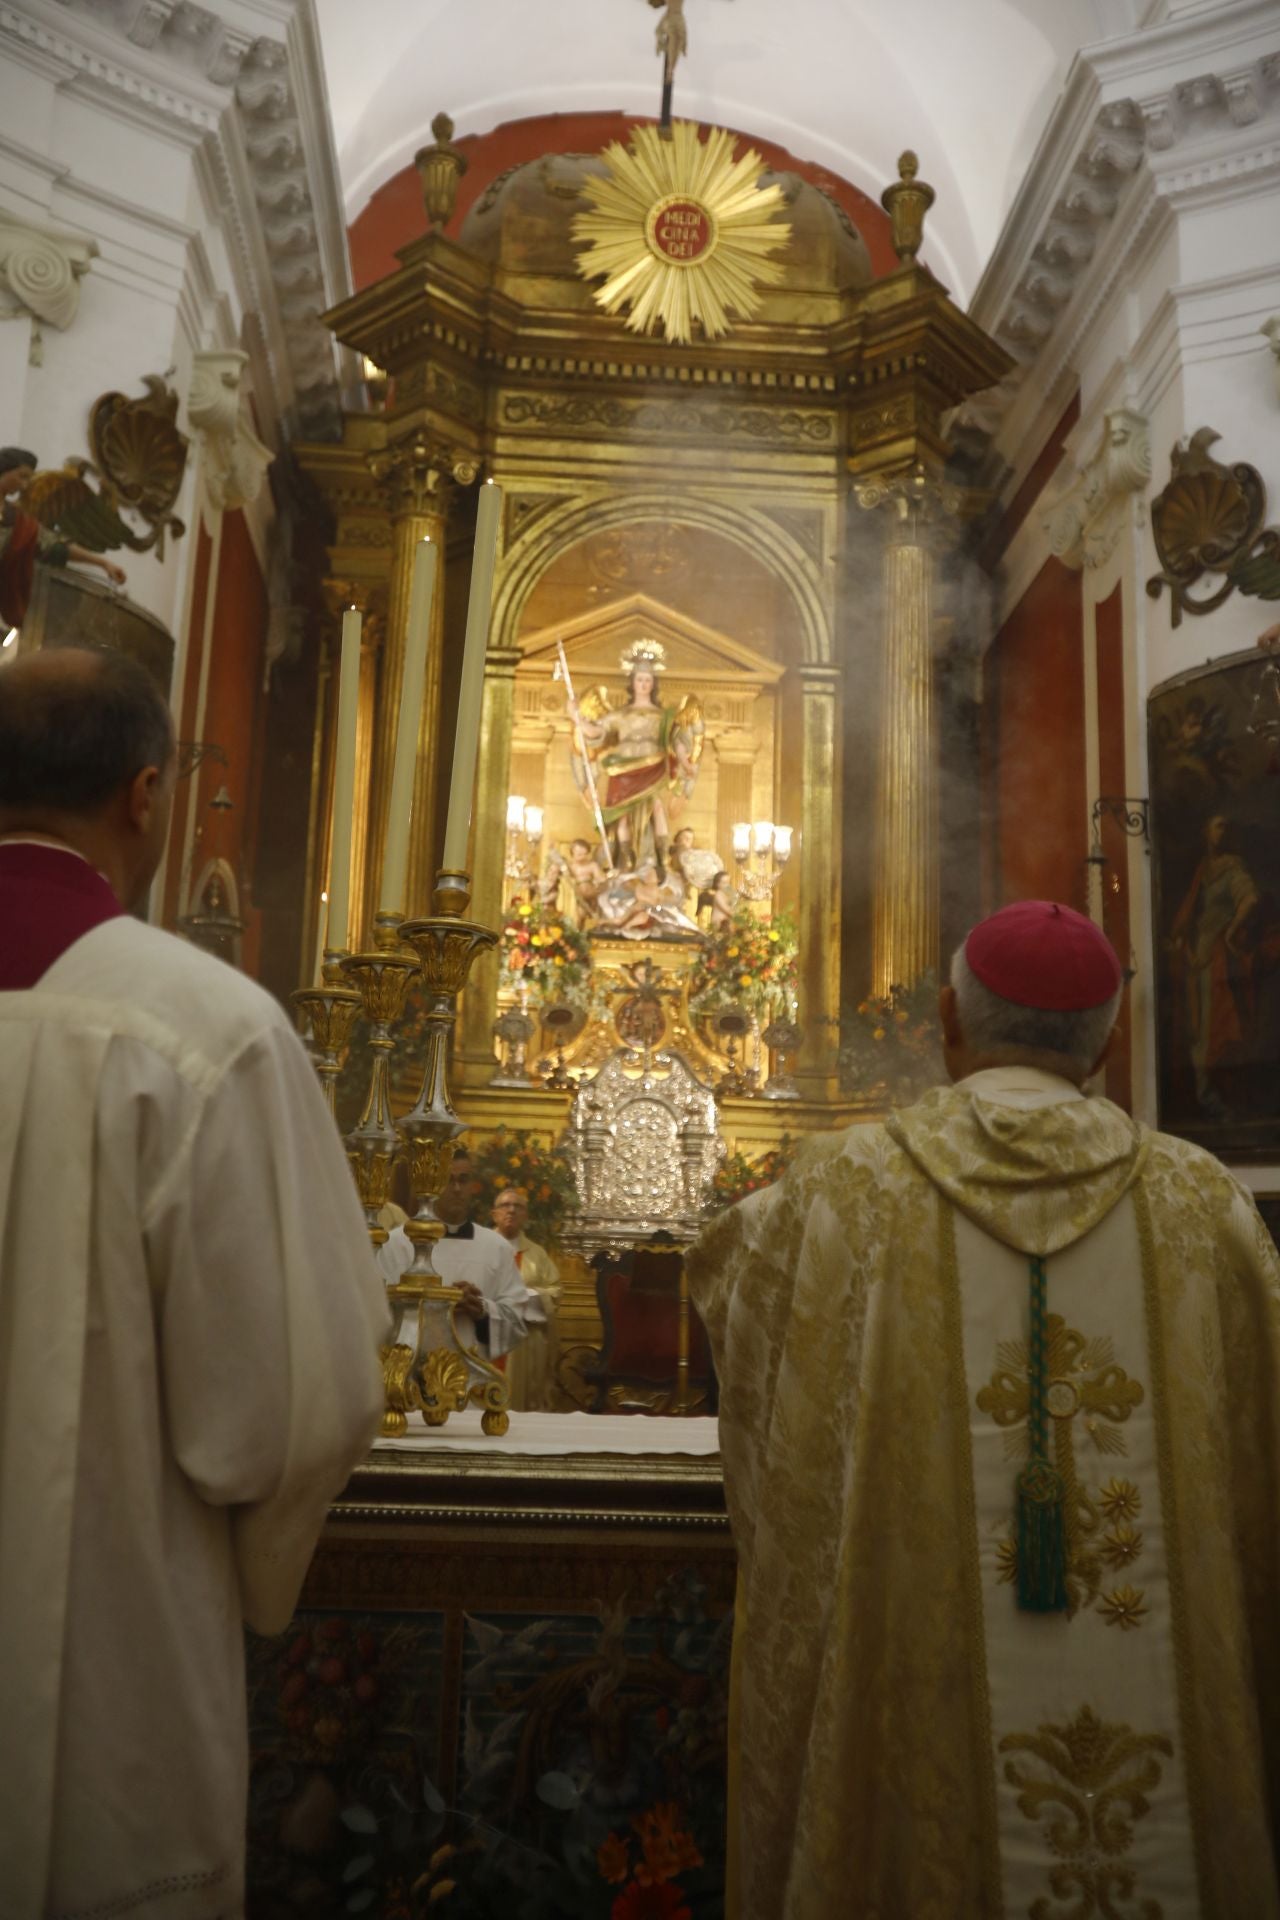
pixel 40 274
pixel 420 476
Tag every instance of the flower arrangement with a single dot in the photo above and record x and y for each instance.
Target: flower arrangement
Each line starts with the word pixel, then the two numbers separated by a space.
pixel 891 1045
pixel 751 965
pixel 328 1689
pixel 544 954
pixel 737 1176
pixel 517 1159
pixel 665 1848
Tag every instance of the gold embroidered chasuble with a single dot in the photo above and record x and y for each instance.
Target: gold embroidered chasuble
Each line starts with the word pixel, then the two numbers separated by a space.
pixel 908 1745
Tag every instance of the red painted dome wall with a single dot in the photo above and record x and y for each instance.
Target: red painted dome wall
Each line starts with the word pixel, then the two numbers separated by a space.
pixel 394 216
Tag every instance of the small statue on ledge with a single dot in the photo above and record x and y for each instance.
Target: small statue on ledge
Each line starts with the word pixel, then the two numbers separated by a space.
pixel 24 542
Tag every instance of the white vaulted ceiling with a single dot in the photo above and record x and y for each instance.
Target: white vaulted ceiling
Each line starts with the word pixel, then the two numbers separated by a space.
pixel 844 83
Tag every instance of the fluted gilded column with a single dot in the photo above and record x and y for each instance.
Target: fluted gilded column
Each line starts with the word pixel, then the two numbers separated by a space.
pixel 488 854
pixel 819 881
pixel 420 480
pixel 904 913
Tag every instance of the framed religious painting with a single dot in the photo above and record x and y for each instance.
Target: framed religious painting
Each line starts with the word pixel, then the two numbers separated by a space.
pixel 1214 737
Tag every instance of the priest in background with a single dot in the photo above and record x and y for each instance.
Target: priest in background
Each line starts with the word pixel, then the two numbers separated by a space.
pixel 1000 1419
pixel 189 1322
pixel 532 1372
pixel 497 1307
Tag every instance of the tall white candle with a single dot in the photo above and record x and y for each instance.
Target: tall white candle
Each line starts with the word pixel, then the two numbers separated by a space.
pixel 466 740
pixel 395 860
pixel 344 782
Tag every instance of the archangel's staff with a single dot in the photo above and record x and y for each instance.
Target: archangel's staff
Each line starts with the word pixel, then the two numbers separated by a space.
pixel 562 673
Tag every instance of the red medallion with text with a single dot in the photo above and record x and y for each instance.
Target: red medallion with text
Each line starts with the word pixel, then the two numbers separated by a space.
pixel 680 231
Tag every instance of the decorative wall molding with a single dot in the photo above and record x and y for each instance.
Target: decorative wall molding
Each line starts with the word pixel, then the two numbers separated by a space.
pixel 40 274
pixel 235 460
pixel 1183 113
pixel 1085 523
pixel 254 107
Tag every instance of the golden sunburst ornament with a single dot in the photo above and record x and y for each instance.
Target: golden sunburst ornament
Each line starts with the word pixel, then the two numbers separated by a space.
pixel 680 231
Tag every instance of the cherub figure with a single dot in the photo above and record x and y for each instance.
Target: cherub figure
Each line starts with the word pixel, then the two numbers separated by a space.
pixel 581 867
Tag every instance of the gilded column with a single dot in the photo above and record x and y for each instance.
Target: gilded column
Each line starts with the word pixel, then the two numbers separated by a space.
pixel 488 855
pixel 819 882
pixel 420 479
pixel 904 913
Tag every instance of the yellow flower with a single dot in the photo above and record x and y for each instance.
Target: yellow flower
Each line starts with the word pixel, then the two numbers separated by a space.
pixel 1121 1500
pixel 731 953
pixel 1124 1608
pixel 744 979
pixel 1121 1545
pixel 878 1034
pixel 773 933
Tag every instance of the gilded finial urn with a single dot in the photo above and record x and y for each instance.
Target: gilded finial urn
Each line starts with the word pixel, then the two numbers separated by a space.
pixel 440 168
pixel 906 202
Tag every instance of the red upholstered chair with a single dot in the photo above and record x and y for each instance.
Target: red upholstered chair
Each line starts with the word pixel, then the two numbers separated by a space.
pixel 639 1298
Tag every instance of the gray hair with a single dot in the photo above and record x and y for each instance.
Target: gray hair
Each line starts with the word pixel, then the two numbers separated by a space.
pixel 1058 1042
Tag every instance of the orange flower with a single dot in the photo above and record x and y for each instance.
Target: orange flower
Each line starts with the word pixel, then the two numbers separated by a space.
pixel 668 1848
pixel 613 1857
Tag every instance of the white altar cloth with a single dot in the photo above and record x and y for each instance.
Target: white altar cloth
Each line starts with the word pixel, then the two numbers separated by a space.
pixel 563 1434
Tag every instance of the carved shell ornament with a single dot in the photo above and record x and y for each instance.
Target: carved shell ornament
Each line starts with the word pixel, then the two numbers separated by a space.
pixel 1209 519
pixel 139 458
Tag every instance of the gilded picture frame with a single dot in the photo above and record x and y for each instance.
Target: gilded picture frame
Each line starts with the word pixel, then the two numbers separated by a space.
pixel 1214 744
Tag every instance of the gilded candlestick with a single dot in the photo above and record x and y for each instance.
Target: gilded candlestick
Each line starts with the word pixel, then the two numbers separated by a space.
pixel 330 1011
pixel 381 978
pixel 446 946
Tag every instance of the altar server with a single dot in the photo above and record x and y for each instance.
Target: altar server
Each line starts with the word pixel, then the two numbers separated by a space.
pixel 497 1305
pixel 532 1372
pixel 1000 1417
pixel 189 1318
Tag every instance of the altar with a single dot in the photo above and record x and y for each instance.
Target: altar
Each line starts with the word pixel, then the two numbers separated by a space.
pixel 510 1662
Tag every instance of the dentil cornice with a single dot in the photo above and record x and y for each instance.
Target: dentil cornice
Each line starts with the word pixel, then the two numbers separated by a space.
pixel 1187 112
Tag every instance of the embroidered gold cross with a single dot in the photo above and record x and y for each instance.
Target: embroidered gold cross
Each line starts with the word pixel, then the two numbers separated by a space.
pixel 1086 1386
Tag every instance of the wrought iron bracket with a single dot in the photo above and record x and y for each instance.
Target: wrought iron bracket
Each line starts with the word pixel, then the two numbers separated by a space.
pixel 1131 815
pixel 191 754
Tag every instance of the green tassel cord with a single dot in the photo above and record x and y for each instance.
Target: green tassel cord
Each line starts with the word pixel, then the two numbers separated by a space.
pixel 1042 1530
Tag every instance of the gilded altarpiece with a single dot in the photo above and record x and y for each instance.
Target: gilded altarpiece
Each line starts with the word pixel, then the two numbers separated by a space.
pixel 700 495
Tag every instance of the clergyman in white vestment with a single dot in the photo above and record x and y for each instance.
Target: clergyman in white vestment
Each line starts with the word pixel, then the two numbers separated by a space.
pixel 189 1318
pixel 531 1373
pixel 497 1308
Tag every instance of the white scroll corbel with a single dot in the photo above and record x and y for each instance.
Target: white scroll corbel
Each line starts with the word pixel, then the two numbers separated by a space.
pixel 1085 522
pixel 1271 328
pixel 235 460
pixel 40 273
